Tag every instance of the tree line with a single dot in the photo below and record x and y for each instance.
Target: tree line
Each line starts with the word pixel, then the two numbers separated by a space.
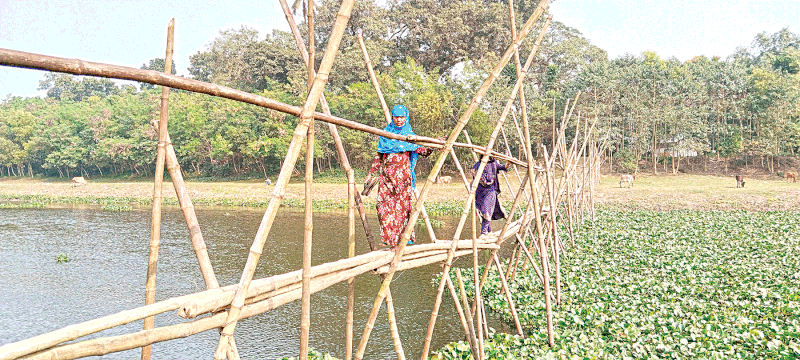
pixel 431 56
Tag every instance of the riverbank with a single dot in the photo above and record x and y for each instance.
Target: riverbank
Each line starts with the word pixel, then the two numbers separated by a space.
pixel 665 192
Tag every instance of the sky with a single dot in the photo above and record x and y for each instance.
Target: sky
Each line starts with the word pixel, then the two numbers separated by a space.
pixel 131 32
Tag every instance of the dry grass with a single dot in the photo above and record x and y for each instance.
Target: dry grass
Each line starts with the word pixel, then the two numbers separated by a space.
pixel 700 192
pixel 648 192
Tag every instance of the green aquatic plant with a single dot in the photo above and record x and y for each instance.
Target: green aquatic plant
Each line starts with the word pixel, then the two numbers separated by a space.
pixel 117 207
pixel 673 284
pixel 313 355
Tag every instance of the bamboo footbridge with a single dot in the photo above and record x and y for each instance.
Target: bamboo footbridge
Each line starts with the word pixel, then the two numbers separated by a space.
pixel 555 192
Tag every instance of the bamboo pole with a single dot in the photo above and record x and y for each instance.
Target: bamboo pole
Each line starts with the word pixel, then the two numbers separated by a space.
pixel 308 233
pixel 461 316
pixel 503 116
pixel 472 188
pixel 106 345
pixel 374 79
pixel 190 305
pixel 351 252
pixel 477 300
pixel 155 225
pixel 435 171
pixel 398 346
pixel 292 153
pixel 473 339
pixel 305 307
pixel 277 285
pixel 469 141
pixel 334 132
pixel 553 225
pixel 518 66
pixel 80 67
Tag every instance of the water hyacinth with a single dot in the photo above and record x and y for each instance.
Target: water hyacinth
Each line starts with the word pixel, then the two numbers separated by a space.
pixel 659 285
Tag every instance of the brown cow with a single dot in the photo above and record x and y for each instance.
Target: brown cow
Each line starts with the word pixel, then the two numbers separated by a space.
pixel 792 176
pixel 626 179
pixel 444 179
pixel 739 181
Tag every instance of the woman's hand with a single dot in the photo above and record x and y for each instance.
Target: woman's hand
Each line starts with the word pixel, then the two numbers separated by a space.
pixel 367 179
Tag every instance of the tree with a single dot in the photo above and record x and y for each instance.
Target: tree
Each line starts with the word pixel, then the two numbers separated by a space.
pixel 240 60
pixel 156 64
pixel 68 87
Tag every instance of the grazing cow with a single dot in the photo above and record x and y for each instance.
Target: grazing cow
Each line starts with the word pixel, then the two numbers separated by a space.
pixel 268 182
pixel 626 179
pixel 739 181
pixel 78 181
pixel 792 176
pixel 444 179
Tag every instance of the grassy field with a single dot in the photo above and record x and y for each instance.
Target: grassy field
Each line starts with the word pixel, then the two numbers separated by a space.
pixel 663 192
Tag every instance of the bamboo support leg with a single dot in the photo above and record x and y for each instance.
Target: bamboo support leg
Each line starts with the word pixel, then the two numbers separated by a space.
pixel 473 339
pixel 461 315
pixel 374 79
pixel 305 306
pixel 398 346
pixel 435 171
pixel 510 299
pixel 155 229
pixel 283 179
pixel 351 252
pixel 445 273
pixel 475 278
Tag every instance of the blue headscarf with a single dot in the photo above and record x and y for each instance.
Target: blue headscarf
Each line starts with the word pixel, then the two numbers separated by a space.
pixel 392 146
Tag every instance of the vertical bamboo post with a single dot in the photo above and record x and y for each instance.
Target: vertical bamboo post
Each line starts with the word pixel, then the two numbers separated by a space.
pixel 334 132
pixel 305 308
pixel 553 225
pixel 461 316
pixel 481 168
pixel 475 278
pixel 518 86
pixel 283 179
pixel 311 50
pixel 435 171
pixel 374 79
pixel 398 346
pixel 473 339
pixel 155 229
pixel 308 233
pixel 518 67
pixel 510 299
pixel 351 251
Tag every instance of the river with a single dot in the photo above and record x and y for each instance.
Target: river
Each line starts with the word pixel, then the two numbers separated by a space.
pixel 106 274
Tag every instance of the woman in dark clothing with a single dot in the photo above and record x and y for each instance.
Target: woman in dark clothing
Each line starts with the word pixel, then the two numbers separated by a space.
pixel 486 194
pixel 394 167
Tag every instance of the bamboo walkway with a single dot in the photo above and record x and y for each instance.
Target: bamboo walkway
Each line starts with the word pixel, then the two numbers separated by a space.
pixel 556 189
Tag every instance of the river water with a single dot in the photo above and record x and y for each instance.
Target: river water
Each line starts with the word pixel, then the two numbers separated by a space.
pixel 106 274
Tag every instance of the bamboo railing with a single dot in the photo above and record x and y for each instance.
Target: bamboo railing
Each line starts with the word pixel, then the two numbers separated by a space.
pixel 558 188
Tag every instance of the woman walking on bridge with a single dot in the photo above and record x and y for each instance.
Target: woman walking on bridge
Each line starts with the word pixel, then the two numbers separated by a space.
pixel 393 168
pixel 486 194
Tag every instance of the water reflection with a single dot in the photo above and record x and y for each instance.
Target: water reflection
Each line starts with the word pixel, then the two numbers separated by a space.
pixel 106 274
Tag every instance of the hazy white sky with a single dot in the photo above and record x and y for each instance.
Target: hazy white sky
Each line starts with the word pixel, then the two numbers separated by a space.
pixel 130 32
